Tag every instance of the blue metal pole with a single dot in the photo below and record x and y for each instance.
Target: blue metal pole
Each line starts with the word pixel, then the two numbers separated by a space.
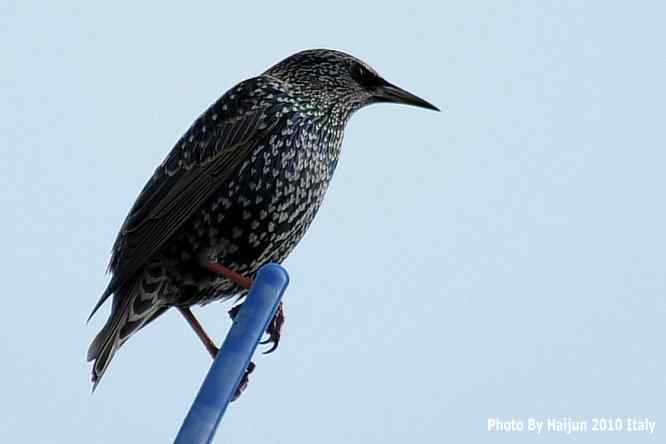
pixel 225 374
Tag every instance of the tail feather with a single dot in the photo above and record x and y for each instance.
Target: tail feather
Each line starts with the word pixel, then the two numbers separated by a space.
pixel 131 311
pixel 105 344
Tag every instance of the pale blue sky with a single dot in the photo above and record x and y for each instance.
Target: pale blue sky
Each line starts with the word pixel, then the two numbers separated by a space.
pixel 502 258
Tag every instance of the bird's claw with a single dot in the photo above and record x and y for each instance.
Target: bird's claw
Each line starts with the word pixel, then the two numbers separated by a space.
pixel 242 385
pixel 274 330
pixel 233 311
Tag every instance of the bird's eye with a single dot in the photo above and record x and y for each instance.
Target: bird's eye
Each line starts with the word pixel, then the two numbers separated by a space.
pixel 364 76
pixel 359 73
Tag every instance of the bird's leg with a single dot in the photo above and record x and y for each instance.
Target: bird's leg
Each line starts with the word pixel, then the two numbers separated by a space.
pixel 212 348
pixel 200 332
pixel 274 328
pixel 230 274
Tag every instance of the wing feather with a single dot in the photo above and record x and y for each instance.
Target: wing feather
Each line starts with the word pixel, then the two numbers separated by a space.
pixel 192 171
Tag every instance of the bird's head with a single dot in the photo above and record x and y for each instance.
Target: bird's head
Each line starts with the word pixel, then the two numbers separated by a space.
pixel 332 79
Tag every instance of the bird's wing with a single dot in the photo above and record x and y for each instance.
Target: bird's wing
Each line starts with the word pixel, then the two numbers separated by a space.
pixel 210 151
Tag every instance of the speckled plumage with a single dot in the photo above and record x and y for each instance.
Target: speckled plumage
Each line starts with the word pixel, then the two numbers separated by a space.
pixel 241 188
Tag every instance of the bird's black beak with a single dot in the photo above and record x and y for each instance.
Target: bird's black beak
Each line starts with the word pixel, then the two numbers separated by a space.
pixel 387 92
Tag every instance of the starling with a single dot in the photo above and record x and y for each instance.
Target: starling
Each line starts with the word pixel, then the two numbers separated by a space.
pixel 238 190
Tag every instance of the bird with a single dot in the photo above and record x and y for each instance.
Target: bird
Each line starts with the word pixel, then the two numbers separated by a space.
pixel 238 190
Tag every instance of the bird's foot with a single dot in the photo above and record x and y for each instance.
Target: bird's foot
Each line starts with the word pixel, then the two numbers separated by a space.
pixel 274 330
pixel 244 381
pixel 233 311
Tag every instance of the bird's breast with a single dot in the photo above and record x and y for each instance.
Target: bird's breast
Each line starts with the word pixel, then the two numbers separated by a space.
pixel 263 211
